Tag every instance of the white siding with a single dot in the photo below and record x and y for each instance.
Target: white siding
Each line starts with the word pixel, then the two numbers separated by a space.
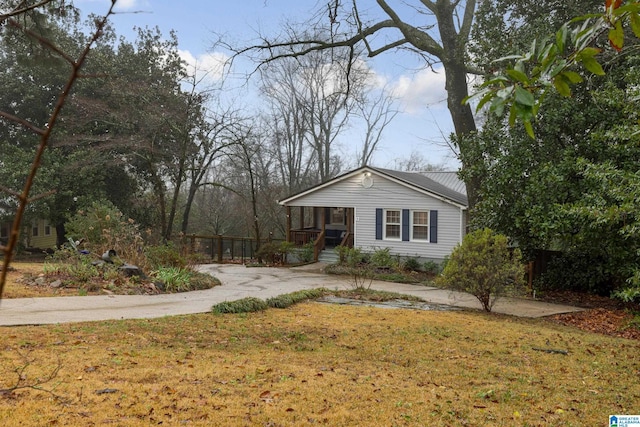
pixel 386 194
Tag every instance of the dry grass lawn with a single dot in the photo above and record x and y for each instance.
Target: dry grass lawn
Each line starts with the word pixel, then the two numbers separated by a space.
pixel 15 289
pixel 316 364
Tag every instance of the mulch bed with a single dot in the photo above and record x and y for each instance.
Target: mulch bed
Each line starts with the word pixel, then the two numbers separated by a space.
pixel 603 315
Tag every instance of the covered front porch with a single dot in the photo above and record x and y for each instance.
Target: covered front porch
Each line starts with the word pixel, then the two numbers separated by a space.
pixel 325 227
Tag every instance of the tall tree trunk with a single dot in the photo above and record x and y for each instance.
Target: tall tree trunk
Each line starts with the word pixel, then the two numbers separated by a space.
pixel 187 208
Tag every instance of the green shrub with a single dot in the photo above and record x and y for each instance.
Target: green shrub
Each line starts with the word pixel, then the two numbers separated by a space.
pixel 630 293
pixel 285 248
pixel 395 277
pixel 244 305
pixel 431 267
pixel 411 264
pixel 287 300
pixel 382 258
pixel 200 281
pixel 580 271
pixel 175 279
pixel 351 257
pixel 164 256
pixel 102 227
pixel 343 254
pixel 275 253
pixel 306 253
pixel 484 266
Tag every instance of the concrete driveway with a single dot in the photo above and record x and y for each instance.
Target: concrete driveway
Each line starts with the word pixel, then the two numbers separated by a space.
pixel 237 282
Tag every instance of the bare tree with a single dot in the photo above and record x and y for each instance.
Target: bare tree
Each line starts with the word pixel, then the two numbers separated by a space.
pixel 43 134
pixel 213 140
pixel 377 113
pixel 437 31
pixel 287 127
pixel 416 162
pixel 246 155
pixel 312 100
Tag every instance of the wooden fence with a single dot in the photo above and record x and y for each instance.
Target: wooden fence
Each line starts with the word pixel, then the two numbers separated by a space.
pixel 220 248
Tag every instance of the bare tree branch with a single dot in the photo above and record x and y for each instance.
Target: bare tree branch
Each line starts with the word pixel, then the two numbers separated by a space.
pixel 22 122
pixel 23 198
pixel 21 9
pixel 44 42
pixel 22 379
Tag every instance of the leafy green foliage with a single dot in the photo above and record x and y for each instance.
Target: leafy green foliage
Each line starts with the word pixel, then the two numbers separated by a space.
pixel 382 258
pixel 102 227
pixel 306 253
pixel 166 255
pixel 287 300
pixel 275 252
pixel 244 305
pixel 174 279
pixel 552 63
pixel 484 266
pixel 351 257
pixel 431 267
pixel 411 264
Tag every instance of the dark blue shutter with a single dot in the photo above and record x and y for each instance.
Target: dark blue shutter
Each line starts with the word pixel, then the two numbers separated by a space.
pixel 405 225
pixel 378 224
pixel 433 227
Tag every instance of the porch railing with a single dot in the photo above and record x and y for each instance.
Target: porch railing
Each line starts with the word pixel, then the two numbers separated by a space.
pixel 318 245
pixel 304 236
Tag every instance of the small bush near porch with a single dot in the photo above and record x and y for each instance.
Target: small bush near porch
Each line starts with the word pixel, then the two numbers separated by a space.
pixel 382 265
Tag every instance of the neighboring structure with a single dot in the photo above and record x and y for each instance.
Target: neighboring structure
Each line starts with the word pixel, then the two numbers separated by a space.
pixel 38 234
pixel 415 214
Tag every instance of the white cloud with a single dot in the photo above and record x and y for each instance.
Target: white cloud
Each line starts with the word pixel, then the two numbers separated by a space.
pixel 422 90
pixel 121 5
pixel 208 66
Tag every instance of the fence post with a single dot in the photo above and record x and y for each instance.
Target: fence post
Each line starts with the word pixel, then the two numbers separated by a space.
pixel 192 244
pixel 233 243
pixel 219 249
pixel 212 248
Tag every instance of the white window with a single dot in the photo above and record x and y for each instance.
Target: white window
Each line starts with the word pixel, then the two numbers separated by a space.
pixel 337 215
pixel 392 224
pixel 4 230
pixel 34 229
pixel 420 225
pixel 47 228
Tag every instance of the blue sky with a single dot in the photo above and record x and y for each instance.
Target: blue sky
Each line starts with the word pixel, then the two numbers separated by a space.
pixel 423 124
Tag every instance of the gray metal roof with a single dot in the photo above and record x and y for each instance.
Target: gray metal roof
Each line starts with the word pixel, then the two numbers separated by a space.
pixel 445 184
pixel 448 179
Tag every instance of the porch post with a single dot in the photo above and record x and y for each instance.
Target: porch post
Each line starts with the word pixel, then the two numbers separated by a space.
pixel 288 210
pixel 301 219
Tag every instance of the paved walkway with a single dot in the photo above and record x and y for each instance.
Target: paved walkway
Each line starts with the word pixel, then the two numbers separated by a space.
pixel 237 282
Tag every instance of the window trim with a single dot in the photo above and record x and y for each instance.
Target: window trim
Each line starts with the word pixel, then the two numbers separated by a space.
pixel 425 226
pixel 335 213
pixel 385 223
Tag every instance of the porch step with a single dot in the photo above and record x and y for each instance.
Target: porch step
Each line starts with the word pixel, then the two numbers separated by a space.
pixel 328 256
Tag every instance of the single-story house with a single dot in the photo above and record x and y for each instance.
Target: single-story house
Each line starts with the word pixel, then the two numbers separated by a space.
pixel 414 214
pixel 36 234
